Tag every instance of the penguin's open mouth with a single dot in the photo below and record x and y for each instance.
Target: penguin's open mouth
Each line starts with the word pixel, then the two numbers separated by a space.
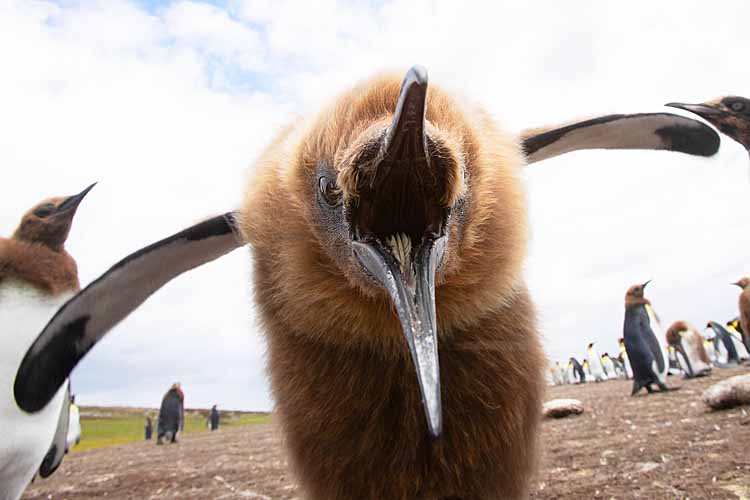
pixel 398 229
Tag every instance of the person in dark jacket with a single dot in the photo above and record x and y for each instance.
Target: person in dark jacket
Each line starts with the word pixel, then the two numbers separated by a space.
pixel 171 415
pixel 213 418
pixel 148 428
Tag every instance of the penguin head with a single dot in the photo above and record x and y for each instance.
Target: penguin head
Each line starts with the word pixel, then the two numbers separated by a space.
pixel 397 208
pixel 634 296
pixel 730 114
pixel 48 222
pixel 675 332
pixel 742 283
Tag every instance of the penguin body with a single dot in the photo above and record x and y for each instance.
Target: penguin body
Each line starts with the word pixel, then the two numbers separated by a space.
pixel 724 345
pixel 595 364
pixel 744 308
pixel 609 367
pixel 688 346
pixel 556 373
pixel 646 353
pixel 734 327
pixel 708 345
pixel 624 359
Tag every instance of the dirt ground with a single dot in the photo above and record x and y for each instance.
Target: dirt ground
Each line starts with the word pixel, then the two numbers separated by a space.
pixel 657 446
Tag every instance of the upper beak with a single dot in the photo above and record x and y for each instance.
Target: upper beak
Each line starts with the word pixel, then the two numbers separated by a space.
pixel 70 204
pixel 702 110
pixel 646 283
pixel 411 285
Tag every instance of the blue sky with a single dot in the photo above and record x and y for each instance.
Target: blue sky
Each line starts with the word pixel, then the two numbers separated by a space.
pixel 167 104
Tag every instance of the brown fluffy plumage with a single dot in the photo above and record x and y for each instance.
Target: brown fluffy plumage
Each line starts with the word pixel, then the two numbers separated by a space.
pixel 36 252
pixel 674 338
pixel 744 307
pixel 345 386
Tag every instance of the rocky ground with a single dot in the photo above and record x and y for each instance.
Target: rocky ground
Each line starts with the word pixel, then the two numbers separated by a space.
pixel 657 446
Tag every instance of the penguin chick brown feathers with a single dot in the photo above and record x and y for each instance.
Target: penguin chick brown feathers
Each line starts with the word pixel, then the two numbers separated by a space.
pixel 730 114
pixel 643 341
pixel 688 345
pixel 744 308
pixel 390 225
pixel 37 275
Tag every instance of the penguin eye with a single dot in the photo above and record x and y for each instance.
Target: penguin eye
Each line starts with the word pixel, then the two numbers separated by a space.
pixel 329 191
pixel 43 211
pixel 737 106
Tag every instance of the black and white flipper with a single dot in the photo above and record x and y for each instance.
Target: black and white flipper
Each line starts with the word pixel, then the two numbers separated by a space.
pixel 88 316
pixel 663 131
pixel 57 449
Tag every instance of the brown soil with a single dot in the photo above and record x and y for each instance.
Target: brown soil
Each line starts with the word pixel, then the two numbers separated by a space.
pixel 656 446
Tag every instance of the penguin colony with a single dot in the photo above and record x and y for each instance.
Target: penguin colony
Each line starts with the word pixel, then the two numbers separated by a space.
pixel 388 236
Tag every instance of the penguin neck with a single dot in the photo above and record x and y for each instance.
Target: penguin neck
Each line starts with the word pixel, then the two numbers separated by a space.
pixel 631 302
pixel 50 271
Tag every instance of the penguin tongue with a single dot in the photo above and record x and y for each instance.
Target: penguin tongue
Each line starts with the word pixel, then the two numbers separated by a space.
pixel 411 286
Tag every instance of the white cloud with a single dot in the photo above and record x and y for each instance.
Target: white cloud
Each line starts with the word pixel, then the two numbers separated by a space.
pixel 168 107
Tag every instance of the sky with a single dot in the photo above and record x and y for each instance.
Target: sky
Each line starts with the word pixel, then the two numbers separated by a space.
pixel 167 103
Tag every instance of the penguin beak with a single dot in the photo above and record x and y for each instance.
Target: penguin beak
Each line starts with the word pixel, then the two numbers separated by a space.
pixel 702 110
pixel 646 283
pixel 405 270
pixel 69 206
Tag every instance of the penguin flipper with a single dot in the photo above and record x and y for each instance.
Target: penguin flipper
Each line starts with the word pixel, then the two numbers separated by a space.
pixel 663 131
pixel 88 316
pixel 54 456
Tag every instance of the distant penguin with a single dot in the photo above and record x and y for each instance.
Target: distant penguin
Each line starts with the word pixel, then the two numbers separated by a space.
pixel 724 344
pixel 579 376
pixel 708 345
pixel 688 345
pixel 595 364
pixel 609 366
pixel 744 307
pixel 37 276
pixel 587 371
pixel 556 373
pixel 735 330
pixel 624 358
pixel 642 335
pixel 74 425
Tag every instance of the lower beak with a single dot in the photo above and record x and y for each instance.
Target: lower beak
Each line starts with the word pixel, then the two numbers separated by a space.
pixel 414 299
pixel 702 110
pixel 70 205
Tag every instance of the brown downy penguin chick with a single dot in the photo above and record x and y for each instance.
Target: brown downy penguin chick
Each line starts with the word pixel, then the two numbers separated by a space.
pixel 744 306
pixel 691 353
pixel 390 230
pixel 730 114
pixel 37 275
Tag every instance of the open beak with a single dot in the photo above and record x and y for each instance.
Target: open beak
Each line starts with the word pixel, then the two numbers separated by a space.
pixel 408 273
pixel 69 206
pixel 702 110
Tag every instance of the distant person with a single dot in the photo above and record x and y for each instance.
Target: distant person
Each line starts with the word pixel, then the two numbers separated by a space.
pixel 171 415
pixel 148 428
pixel 213 418
pixel 74 425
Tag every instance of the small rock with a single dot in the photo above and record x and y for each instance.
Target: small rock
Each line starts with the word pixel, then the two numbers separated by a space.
pixel 728 393
pixel 560 408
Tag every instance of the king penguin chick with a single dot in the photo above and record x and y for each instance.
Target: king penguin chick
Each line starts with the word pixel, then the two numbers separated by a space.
pixel 595 364
pixel 744 306
pixel 642 334
pixel 398 214
pixel 37 276
pixel 688 345
pixel 730 114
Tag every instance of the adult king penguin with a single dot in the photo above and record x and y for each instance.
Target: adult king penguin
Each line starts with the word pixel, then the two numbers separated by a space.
pixel 624 358
pixel 735 332
pixel 724 344
pixel 389 225
pixel 37 275
pixel 744 306
pixel 643 341
pixel 595 364
pixel 688 345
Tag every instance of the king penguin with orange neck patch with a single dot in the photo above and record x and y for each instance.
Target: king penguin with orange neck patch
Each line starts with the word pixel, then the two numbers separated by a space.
pixel 642 334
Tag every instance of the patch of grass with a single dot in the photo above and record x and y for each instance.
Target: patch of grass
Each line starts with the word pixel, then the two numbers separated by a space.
pixel 102 427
